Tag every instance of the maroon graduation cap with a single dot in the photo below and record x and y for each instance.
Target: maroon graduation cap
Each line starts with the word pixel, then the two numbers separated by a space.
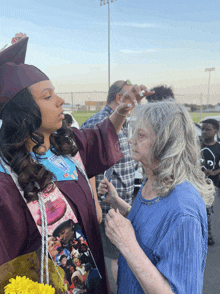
pixel 14 74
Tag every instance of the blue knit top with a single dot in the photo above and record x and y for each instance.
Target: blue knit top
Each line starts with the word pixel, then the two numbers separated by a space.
pixel 172 231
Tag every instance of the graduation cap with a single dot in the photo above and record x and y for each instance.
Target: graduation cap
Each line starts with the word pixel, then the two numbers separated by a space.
pixel 14 74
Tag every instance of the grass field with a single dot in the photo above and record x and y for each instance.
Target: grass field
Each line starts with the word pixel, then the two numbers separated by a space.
pixel 81 117
pixel 196 115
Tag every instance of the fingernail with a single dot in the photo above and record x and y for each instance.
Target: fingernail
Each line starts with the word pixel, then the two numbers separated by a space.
pixel 129 105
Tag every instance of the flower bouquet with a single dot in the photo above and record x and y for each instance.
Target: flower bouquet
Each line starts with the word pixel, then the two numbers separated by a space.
pixel 23 285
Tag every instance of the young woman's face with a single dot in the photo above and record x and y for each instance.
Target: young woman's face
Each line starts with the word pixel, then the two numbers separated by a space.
pixel 50 106
pixel 141 143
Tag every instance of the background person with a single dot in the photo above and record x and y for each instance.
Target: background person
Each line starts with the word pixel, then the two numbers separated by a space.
pixel 163 241
pixel 68 119
pixel 161 92
pixel 210 157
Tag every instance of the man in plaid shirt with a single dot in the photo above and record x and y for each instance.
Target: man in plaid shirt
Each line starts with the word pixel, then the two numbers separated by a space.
pixel 123 171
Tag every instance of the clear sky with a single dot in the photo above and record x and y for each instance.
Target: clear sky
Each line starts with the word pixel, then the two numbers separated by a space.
pixel 152 42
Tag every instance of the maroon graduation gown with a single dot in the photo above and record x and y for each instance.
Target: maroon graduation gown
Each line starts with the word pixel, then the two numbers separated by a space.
pixel 99 149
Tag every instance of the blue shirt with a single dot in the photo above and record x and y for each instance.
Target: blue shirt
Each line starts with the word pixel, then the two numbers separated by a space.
pixel 172 231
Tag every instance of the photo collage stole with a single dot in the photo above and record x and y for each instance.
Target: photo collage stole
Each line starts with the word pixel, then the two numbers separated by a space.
pixel 67 246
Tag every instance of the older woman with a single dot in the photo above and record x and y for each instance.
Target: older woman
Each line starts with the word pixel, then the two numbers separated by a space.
pixel 163 241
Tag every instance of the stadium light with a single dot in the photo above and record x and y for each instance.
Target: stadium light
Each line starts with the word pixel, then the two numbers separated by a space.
pixel 209 70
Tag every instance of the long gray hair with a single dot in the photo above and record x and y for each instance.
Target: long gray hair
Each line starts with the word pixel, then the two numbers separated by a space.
pixel 175 147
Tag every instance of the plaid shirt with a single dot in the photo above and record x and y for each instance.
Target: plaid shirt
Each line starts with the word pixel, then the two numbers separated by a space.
pixel 124 170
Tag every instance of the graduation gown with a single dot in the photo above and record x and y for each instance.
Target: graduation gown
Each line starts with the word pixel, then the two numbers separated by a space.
pixel 99 149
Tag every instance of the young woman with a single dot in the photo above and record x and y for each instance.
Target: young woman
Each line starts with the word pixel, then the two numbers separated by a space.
pixel 31 136
pixel 163 241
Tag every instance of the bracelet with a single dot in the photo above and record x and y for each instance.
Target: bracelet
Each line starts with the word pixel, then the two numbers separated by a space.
pixel 120 113
pixel 127 212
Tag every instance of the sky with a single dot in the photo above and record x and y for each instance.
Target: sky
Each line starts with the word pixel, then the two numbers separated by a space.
pixel 152 43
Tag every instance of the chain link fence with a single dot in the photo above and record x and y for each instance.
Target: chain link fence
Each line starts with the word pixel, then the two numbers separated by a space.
pixel 95 100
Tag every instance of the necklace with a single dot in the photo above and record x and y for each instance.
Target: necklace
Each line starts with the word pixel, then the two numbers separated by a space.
pixel 149 202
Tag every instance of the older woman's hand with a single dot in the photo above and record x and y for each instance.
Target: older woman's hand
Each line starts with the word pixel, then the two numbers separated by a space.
pixel 106 187
pixel 119 230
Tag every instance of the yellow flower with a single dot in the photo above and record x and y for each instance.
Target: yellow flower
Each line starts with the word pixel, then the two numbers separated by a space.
pixel 23 285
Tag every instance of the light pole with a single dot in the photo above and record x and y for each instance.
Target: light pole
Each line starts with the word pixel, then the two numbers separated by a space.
pixel 103 2
pixel 209 70
pixel 201 95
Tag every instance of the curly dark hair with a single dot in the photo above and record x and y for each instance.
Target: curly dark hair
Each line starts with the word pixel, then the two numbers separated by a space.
pixel 161 92
pixel 68 119
pixel 21 119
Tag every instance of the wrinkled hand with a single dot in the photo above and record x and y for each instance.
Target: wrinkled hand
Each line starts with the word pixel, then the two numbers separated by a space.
pixel 119 229
pixel 18 37
pixel 209 172
pixel 132 97
pixel 106 187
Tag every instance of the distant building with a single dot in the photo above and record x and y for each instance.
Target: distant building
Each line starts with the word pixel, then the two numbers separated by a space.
pixel 188 108
pixel 95 105
pixel 217 108
pixel 68 108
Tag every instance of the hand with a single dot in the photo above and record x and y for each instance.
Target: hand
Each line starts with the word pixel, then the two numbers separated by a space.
pixel 99 213
pixel 133 97
pixel 209 172
pixel 106 187
pixel 18 37
pixel 119 230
